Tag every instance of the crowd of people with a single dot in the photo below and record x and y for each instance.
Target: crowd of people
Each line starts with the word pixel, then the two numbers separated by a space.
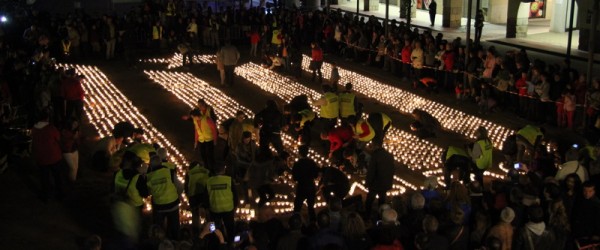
pixel 547 201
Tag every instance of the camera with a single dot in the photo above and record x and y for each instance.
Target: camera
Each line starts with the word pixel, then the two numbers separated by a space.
pixel 517 166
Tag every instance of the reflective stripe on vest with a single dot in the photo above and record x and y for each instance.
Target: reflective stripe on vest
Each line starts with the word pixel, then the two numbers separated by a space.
pixel 330 110
pixel 198 176
pixel 220 193
pixel 485 160
pixel 347 104
pixel 307 115
pixel 132 193
pixel 452 150
pixel 359 131
pixel 530 133
pixel 161 187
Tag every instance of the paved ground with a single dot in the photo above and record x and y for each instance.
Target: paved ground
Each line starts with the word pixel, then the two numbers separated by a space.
pixel 27 223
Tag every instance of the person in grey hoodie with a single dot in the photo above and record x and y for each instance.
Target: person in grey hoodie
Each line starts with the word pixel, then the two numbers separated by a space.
pixel 534 235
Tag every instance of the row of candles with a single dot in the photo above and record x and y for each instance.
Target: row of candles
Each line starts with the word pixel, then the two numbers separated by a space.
pixel 105 106
pixel 188 89
pixel 405 101
pixel 176 60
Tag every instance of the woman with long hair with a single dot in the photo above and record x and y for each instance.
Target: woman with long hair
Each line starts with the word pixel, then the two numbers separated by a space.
pixel 559 223
pixel 355 233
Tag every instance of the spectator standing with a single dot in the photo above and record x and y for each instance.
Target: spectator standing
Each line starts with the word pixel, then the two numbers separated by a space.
pixel 229 56
pixel 380 176
pixel 109 34
pixel 568 109
pixel 436 241
pixel 254 39
pixel 534 234
pixel 417 60
pixel 478 26
pixel 325 236
pixel 354 233
pixel 504 230
pixel 45 147
pixel 586 220
pixel 290 240
pixel 572 166
pixel 432 12
pixel 304 172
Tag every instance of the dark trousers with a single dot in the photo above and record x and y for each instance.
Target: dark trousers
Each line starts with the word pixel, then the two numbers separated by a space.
pixel 229 74
pixel 265 194
pixel 48 174
pixel 371 198
pixel 309 195
pixel 74 109
pixel 432 18
pixel 172 218
pixel 305 134
pixel 207 154
pixel 188 58
pixel 376 121
pixel 267 138
pixel 227 220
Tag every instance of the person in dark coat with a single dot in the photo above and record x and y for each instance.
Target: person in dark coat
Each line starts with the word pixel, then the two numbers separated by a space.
pixel 380 176
pixel 586 220
pixel 270 121
pixel 432 11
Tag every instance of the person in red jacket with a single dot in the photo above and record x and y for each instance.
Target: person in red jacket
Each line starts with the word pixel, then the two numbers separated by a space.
pixel 73 93
pixel 45 147
pixel 521 85
pixel 254 39
pixel 448 58
pixel 316 62
pixel 339 138
pixel 406 60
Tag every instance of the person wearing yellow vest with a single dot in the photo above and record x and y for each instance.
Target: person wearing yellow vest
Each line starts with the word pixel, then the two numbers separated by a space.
pixel 363 131
pixel 456 158
pixel 380 123
pixel 195 189
pixel 165 199
pixel 348 102
pixel 277 37
pixel 481 153
pixel 222 199
pixel 528 138
pixel 205 131
pixel 129 185
pixel 157 35
pixel 303 123
pixel 129 189
pixel 330 107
